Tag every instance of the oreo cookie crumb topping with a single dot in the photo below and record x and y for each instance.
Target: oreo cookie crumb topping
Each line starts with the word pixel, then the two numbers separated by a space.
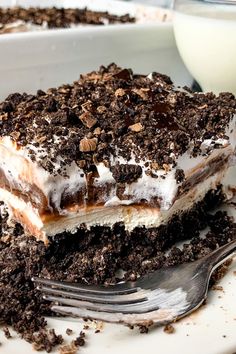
pixel 55 17
pixel 126 173
pixel 114 113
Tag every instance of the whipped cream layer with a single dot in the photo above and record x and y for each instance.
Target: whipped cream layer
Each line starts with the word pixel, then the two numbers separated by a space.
pixel 131 216
pixel 23 174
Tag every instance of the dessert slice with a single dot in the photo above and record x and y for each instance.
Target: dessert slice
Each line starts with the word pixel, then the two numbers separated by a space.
pixel 113 148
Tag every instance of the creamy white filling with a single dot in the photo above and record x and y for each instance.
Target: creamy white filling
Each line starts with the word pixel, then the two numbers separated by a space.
pixel 130 215
pixel 22 172
pixel 26 209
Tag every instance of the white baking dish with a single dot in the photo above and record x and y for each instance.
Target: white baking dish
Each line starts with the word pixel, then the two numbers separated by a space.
pixel 41 59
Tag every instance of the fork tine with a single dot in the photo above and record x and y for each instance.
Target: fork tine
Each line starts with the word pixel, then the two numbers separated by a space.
pixel 118 289
pixel 125 308
pixel 159 317
pixel 156 299
pixel 99 298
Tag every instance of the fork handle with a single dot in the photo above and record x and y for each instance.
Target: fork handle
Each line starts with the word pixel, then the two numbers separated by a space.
pixel 216 258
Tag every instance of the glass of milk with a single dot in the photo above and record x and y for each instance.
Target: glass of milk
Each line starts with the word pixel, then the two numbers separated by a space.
pixel 205 33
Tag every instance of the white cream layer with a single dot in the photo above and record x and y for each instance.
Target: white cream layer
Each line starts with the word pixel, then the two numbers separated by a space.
pixel 131 216
pixel 22 172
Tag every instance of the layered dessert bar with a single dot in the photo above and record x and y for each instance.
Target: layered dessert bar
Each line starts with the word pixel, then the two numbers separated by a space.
pixel 19 19
pixel 113 149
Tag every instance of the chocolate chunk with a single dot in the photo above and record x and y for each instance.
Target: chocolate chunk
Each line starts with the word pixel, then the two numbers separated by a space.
pixel 87 145
pixel 124 74
pixel 14 98
pixel 51 105
pixel 7 107
pixel 88 119
pixel 41 93
pixel 126 173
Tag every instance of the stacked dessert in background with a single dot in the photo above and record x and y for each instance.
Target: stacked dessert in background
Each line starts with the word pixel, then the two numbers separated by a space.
pixel 19 19
pixel 114 150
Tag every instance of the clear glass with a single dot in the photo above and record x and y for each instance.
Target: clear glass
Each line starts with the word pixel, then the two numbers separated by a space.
pixel 205 34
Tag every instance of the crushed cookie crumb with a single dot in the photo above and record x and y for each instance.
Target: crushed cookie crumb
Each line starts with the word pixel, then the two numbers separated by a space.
pixel 143 329
pixel 68 349
pixel 217 287
pixel 80 341
pixel 110 101
pixel 169 328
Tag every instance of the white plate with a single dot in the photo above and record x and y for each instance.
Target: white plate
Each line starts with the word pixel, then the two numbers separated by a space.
pixel 43 59
pixel 209 330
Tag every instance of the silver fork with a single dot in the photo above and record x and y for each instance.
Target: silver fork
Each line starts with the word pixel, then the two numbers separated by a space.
pixel 160 297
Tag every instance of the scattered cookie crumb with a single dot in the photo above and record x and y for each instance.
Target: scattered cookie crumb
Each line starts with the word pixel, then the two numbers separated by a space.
pixel 99 325
pixel 80 341
pixel 68 349
pixel 169 329
pixel 143 329
pixel 44 339
pixel 7 332
pixel 217 287
pixel 69 331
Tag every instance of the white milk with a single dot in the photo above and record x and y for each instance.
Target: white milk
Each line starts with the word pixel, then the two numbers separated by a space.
pixel 206 39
